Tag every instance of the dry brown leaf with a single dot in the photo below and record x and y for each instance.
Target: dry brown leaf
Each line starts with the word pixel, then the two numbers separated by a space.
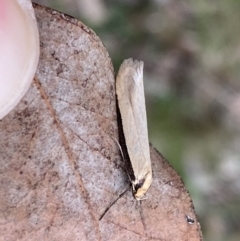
pixel 60 167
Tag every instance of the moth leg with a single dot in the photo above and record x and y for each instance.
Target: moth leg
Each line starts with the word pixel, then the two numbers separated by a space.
pixel 120 148
pixel 142 218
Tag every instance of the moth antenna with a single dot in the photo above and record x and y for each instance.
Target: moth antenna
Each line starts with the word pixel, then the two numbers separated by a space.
pixel 111 204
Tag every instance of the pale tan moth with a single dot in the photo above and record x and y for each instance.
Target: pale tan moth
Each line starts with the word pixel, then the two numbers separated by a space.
pixel 131 102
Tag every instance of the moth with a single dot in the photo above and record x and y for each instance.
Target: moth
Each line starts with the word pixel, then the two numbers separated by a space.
pixel 131 103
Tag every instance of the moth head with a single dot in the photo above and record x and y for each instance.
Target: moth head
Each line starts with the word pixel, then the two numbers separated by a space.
pixel 140 187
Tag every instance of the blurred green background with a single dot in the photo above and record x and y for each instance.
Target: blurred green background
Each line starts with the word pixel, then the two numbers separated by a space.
pixel 191 52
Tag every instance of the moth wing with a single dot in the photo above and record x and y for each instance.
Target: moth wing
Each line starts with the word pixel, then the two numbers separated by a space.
pixel 131 101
